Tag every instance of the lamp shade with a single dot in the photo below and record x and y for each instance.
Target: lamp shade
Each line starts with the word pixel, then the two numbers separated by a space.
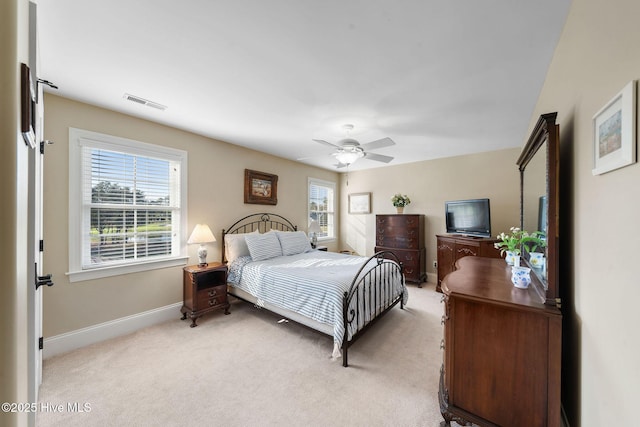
pixel 314 227
pixel 201 234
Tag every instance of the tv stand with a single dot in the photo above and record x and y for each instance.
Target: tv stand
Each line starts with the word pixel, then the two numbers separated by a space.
pixel 452 247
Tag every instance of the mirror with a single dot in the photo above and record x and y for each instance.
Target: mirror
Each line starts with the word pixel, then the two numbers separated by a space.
pixel 534 210
pixel 538 164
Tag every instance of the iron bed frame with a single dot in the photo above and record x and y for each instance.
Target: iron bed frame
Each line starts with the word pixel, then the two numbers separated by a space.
pixel 370 295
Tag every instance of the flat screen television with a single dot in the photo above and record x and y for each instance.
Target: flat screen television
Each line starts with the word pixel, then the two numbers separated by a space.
pixel 468 217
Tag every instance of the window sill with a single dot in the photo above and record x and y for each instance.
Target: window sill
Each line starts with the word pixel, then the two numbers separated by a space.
pixel 98 273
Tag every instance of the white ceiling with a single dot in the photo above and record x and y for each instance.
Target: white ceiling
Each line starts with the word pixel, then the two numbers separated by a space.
pixel 439 77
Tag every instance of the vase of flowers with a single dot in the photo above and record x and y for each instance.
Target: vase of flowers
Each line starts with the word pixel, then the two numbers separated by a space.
pixel 511 245
pixel 400 201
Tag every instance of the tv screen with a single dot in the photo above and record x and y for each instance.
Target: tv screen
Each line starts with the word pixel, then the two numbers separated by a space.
pixel 468 217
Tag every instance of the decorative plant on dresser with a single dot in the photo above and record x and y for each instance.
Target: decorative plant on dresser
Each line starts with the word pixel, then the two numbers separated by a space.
pixel 403 235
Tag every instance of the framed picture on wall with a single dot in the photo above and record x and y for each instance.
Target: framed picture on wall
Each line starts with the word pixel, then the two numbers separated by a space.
pixel 360 203
pixel 260 188
pixel 614 132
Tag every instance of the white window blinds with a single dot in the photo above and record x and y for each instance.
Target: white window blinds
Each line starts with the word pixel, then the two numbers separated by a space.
pixel 130 206
pixel 321 206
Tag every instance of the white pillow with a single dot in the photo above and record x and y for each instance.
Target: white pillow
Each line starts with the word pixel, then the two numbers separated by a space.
pixel 293 242
pixel 263 246
pixel 235 246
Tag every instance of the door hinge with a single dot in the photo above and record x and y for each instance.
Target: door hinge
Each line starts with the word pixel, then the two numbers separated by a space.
pixel 41 247
pixel 40 343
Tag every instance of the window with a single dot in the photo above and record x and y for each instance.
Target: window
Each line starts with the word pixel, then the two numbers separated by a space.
pixel 127 205
pixel 322 207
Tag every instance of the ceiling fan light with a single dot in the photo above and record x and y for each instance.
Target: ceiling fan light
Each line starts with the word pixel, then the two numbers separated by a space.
pixel 348 157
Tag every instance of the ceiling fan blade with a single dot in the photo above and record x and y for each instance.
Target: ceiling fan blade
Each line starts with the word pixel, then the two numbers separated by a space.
pixel 378 143
pixel 322 141
pixel 378 157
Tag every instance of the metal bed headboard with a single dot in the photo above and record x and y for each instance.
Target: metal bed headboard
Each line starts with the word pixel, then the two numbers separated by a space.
pixel 262 222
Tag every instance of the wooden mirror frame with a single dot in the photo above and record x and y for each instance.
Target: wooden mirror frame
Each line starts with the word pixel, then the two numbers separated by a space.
pixel 546 131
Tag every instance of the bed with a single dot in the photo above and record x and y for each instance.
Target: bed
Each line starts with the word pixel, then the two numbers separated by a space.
pixel 272 265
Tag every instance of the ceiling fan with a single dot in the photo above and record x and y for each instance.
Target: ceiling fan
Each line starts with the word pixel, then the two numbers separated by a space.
pixel 349 150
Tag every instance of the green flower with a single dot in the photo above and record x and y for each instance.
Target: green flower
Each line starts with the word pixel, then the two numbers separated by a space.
pixel 400 200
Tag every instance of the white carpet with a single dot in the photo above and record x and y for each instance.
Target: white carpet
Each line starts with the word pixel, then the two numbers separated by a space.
pixel 245 369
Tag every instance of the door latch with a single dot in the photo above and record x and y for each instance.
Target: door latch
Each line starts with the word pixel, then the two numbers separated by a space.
pixel 43 280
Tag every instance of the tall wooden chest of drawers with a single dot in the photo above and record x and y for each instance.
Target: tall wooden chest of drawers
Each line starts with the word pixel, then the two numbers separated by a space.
pixel 403 234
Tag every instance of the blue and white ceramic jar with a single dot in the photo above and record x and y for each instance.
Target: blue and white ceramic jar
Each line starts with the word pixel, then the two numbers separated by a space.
pixel 521 277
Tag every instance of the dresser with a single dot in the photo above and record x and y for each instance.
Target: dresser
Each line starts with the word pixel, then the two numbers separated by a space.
pixel 403 234
pixel 452 247
pixel 502 348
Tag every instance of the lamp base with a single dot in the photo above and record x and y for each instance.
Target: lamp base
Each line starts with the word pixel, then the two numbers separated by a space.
pixel 202 256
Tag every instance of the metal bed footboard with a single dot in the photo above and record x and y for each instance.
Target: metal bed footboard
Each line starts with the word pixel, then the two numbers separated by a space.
pixel 373 292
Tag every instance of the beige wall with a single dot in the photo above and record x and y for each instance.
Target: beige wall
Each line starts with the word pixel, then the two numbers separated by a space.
pixel 429 184
pixel 596 57
pixel 215 197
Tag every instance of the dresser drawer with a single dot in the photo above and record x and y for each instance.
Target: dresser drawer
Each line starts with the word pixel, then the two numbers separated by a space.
pixel 412 263
pixel 398 241
pixel 400 221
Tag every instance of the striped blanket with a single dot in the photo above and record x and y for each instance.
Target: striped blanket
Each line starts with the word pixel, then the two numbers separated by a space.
pixel 311 284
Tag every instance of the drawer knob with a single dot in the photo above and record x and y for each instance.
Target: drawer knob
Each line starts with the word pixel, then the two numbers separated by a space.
pixel 213 302
pixel 213 293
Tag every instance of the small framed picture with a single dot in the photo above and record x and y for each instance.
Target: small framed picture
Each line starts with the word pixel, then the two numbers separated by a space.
pixel 360 203
pixel 614 132
pixel 260 188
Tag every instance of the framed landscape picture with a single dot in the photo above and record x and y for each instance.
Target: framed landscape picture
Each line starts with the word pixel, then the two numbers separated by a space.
pixel 614 132
pixel 260 188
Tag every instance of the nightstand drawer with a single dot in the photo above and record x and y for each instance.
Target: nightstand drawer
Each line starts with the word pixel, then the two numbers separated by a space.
pixel 214 291
pixel 211 297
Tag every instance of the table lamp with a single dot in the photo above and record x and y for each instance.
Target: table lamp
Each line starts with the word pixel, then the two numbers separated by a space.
pixel 201 234
pixel 314 229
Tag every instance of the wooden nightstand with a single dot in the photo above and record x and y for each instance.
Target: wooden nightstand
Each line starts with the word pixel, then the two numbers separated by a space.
pixel 204 290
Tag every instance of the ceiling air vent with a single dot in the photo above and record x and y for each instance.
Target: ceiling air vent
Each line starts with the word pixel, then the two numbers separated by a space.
pixel 143 101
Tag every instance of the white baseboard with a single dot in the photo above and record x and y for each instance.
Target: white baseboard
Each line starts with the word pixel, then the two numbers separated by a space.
pixel 125 325
pixel 432 277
